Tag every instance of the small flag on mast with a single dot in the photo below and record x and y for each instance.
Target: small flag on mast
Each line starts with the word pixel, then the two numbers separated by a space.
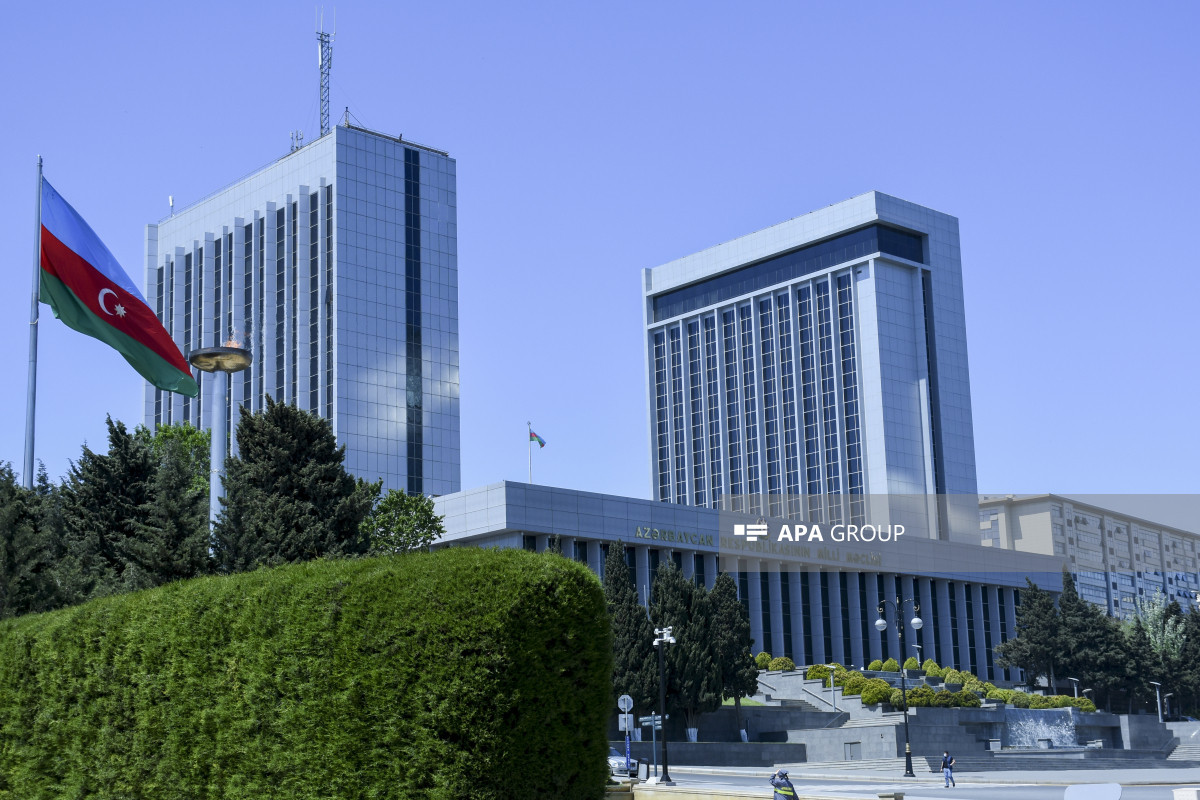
pixel 533 437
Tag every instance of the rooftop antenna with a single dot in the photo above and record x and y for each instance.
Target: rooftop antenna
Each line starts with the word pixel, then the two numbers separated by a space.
pixel 171 203
pixel 325 61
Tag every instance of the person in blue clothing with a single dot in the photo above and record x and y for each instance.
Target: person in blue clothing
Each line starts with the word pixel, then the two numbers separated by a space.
pixel 948 768
pixel 783 787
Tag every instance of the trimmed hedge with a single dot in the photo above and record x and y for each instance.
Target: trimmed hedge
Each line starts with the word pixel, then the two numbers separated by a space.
pixel 762 660
pixel 781 664
pixel 458 673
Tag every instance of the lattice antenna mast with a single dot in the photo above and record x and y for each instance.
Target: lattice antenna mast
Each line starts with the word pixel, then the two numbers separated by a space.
pixel 325 42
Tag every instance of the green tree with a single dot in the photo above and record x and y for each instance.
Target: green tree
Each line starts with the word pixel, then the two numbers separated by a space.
pixel 105 501
pixel 171 538
pixel 1035 645
pixel 1164 625
pixel 731 641
pixel 693 675
pixel 192 445
pixel 288 496
pixel 29 546
pixel 1090 646
pixel 402 523
pixel 635 669
pixel 1140 666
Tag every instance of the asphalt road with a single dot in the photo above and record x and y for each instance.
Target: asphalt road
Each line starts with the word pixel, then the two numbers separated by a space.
pixel 931 790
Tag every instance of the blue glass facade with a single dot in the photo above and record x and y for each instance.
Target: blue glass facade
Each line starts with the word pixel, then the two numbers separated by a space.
pixel 337 267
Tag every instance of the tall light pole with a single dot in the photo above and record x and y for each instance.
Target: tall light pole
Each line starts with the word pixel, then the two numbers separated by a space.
pixel 1167 701
pixel 1075 682
pixel 832 693
pixel 917 623
pixel 220 362
pixel 663 638
pixel 917 647
pixel 1158 697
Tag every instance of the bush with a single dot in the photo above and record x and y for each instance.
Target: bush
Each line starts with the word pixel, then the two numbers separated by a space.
pixel 762 660
pixel 875 666
pixel 840 678
pixel 896 698
pixel 876 690
pixel 929 664
pixel 934 672
pixel 890 666
pixel 1020 699
pixel 1040 701
pixel 781 664
pixel 952 676
pixel 920 696
pixel 817 672
pixel 1083 703
pixel 854 683
pixel 1003 695
pixel 911 663
pixel 407 676
pixel 965 699
pixel 944 699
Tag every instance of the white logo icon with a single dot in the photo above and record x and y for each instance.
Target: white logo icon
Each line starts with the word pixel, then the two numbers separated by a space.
pixel 752 532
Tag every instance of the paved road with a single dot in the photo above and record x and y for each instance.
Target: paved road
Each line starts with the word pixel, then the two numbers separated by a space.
pixel 968 789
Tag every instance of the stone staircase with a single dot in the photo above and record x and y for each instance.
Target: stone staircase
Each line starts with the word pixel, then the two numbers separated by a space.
pixel 924 765
pixel 1189 751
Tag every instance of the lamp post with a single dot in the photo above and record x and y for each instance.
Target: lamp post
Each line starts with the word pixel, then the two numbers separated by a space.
pixel 832 693
pixel 220 362
pixel 1075 682
pixel 917 623
pixel 663 638
pixel 917 647
pixel 1157 698
pixel 1167 701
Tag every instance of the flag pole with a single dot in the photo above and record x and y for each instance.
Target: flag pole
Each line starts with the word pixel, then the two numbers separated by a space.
pixel 529 447
pixel 31 398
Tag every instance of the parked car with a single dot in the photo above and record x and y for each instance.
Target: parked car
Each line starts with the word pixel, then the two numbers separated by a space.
pixel 616 763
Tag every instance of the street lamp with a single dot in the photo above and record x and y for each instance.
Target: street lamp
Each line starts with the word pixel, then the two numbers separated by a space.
pixel 1167 701
pixel 832 693
pixel 917 623
pixel 220 361
pixel 1075 681
pixel 1157 697
pixel 917 647
pixel 663 639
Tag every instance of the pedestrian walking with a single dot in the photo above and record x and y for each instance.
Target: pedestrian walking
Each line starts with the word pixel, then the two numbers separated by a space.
pixel 783 787
pixel 948 768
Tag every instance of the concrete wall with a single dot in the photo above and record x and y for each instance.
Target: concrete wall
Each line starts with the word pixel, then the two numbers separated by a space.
pixel 764 723
pixel 721 754
pixel 1143 732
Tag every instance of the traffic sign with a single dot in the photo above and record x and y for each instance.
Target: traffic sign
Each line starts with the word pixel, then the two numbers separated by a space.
pixel 653 719
pixel 625 703
pixel 625 722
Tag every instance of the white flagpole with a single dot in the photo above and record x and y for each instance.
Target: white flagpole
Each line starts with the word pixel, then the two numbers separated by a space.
pixel 31 399
pixel 529 447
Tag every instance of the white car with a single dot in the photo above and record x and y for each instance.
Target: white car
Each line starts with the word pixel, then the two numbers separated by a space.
pixel 616 763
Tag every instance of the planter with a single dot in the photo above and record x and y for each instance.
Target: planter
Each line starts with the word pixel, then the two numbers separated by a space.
pixel 912 674
pixel 952 687
pixel 692 734
pixel 745 735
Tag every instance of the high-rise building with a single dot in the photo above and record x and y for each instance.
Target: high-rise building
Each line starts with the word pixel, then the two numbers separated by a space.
pixel 337 266
pixel 817 370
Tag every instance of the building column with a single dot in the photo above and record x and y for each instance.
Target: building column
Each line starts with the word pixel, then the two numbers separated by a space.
pixel 836 617
pixel 960 624
pixel 977 633
pixel 816 618
pixel 945 656
pixel 894 620
pixel 595 558
pixel 855 615
pixel 928 633
pixel 1010 625
pixel 543 541
pixel 710 570
pixel 908 591
pixel 754 602
pixel 689 567
pixel 567 543
pixel 795 589
pixel 874 648
pixel 641 562
pixel 994 623
pixel 775 611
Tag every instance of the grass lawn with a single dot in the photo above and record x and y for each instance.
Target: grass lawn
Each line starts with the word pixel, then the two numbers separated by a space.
pixel 746 701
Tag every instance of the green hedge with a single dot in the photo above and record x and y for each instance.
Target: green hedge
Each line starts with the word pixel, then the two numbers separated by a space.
pixel 461 673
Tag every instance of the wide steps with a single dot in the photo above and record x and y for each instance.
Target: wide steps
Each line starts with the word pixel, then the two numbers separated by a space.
pixel 798 704
pixel 1185 752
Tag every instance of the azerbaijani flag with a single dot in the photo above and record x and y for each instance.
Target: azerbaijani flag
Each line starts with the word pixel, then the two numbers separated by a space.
pixel 533 437
pixel 86 288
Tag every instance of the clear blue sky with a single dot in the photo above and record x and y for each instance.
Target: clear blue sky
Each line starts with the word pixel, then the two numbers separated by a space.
pixel 594 140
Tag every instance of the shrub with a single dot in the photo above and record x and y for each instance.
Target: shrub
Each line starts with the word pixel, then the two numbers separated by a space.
pixel 911 663
pixel 762 660
pixel 817 672
pixel 781 664
pixel 875 666
pixel 952 676
pixel 944 699
pixel 1083 703
pixel 965 699
pixel 890 666
pixel 920 696
pixel 854 683
pixel 1003 695
pixel 397 676
pixel 1040 701
pixel 876 690
pixel 1020 699
pixel 896 698
pixel 840 678
pixel 929 664
pixel 934 672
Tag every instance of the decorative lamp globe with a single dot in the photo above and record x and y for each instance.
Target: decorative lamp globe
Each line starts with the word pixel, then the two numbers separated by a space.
pixel 881 624
pixel 917 623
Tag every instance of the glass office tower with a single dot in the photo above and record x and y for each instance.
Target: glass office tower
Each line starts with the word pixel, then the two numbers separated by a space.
pixel 337 266
pixel 817 370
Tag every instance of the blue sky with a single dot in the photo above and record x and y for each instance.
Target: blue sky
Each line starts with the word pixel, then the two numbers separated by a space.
pixel 594 140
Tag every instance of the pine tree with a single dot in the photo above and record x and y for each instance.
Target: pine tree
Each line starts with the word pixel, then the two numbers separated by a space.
pixel 693 674
pixel 1034 649
pixel 731 640
pixel 635 668
pixel 288 496
pixel 1090 644
pixel 402 523
pixel 173 541
pixel 29 547
pixel 105 501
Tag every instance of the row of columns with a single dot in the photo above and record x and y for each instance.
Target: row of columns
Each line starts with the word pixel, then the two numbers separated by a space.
pixel 944 622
